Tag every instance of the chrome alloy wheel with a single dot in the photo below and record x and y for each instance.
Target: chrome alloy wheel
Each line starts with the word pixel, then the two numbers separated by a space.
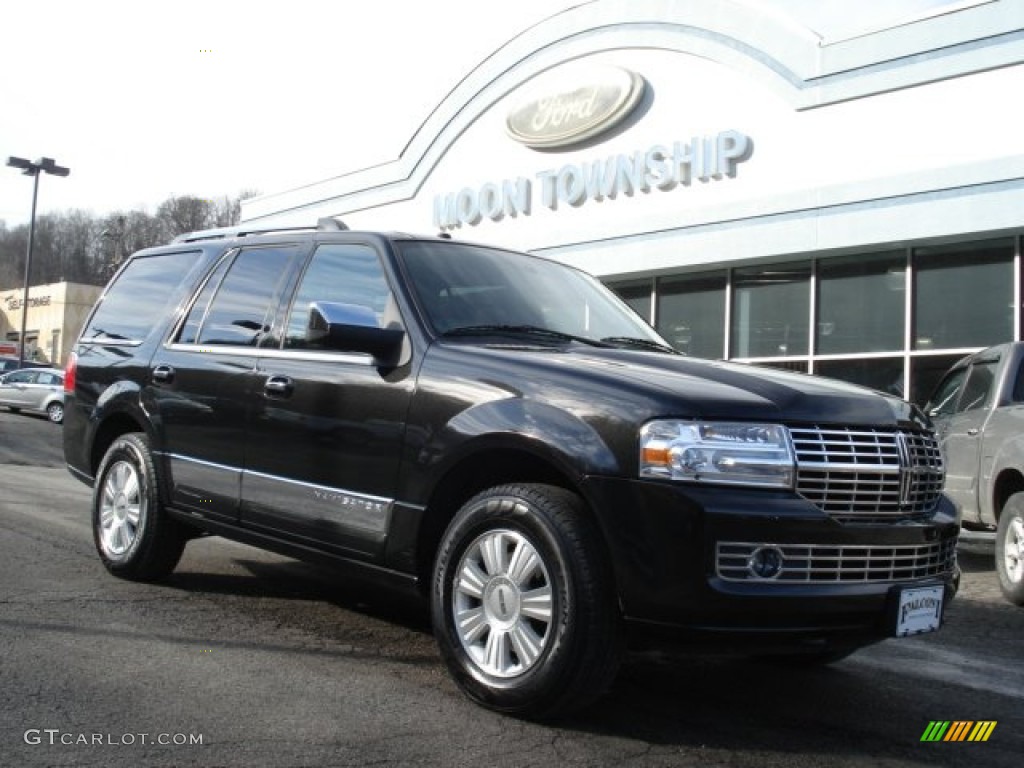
pixel 121 508
pixel 502 603
pixel 55 413
pixel 1013 551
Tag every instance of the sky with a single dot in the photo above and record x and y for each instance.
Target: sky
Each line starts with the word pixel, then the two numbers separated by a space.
pixel 153 99
pixel 145 100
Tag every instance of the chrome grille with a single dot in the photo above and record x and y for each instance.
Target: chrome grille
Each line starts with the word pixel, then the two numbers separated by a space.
pixel 831 564
pixel 868 474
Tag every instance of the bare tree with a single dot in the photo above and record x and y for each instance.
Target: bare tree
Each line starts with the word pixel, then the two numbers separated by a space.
pixel 185 214
pixel 79 247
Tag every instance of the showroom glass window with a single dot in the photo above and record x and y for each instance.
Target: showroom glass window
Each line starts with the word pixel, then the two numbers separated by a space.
pixel 771 307
pixel 963 295
pixel 882 373
pixel 861 304
pixel 636 295
pixel 691 313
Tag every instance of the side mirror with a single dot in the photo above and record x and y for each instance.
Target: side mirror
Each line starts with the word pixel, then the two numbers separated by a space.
pixel 353 328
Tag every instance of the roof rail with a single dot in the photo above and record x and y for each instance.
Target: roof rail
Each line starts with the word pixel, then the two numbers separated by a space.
pixel 324 224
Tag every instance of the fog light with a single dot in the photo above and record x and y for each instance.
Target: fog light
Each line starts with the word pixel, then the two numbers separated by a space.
pixel 765 563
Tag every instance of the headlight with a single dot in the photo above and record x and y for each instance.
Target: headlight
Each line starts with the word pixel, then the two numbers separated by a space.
pixel 721 453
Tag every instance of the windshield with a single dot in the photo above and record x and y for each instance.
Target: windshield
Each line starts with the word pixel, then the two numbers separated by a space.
pixel 464 289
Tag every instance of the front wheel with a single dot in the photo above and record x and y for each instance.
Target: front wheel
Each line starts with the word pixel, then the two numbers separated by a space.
pixel 135 538
pixel 523 606
pixel 1010 549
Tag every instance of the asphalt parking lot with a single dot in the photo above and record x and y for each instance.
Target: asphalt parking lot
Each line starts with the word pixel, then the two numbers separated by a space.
pixel 271 662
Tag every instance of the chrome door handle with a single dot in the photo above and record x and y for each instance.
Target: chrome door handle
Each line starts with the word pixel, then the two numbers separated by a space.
pixel 163 374
pixel 973 432
pixel 278 386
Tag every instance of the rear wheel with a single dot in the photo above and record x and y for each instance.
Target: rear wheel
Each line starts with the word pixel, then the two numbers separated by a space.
pixel 55 412
pixel 523 606
pixel 1010 549
pixel 134 536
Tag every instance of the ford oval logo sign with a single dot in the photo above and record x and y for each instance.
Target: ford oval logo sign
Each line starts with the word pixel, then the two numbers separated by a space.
pixel 574 104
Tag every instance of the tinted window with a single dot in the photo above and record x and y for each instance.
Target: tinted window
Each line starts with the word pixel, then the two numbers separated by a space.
pixel 189 333
pixel 465 287
pixel 340 273
pixel 21 377
pixel 240 312
pixel 140 297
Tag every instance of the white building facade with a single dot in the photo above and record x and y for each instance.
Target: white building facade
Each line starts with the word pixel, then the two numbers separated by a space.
pixel 851 205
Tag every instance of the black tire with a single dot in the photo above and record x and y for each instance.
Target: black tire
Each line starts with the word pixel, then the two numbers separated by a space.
pixel 12 409
pixel 1010 549
pixel 55 412
pixel 134 537
pixel 540 634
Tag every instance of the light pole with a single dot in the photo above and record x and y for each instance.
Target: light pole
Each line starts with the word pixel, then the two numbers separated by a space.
pixel 116 235
pixel 28 168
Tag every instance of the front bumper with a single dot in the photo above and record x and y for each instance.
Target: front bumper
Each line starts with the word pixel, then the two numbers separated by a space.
pixel 665 541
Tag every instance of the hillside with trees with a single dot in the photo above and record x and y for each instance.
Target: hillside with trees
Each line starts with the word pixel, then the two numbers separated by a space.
pixel 79 247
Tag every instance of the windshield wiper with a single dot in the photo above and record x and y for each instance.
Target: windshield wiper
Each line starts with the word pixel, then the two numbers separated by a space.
pixel 632 341
pixel 520 330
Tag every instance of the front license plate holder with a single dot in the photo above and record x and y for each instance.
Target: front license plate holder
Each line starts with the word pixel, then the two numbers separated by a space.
pixel 918 610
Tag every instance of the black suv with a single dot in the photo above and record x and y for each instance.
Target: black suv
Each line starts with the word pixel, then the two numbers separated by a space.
pixel 501 434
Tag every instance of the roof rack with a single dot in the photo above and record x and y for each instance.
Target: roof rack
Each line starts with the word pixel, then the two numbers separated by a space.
pixel 325 224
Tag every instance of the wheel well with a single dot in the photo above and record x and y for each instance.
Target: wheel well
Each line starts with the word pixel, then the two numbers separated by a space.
pixel 109 431
pixel 1008 483
pixel 470 477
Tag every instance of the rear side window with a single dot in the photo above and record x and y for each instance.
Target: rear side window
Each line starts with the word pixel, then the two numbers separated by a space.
pixel 139 298
pixel 241 307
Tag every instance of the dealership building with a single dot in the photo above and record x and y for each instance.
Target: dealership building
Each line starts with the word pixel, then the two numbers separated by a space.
pixel 56 314
pixel 841 197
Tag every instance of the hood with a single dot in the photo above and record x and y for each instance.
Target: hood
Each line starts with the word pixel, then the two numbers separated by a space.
pixel 693 388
